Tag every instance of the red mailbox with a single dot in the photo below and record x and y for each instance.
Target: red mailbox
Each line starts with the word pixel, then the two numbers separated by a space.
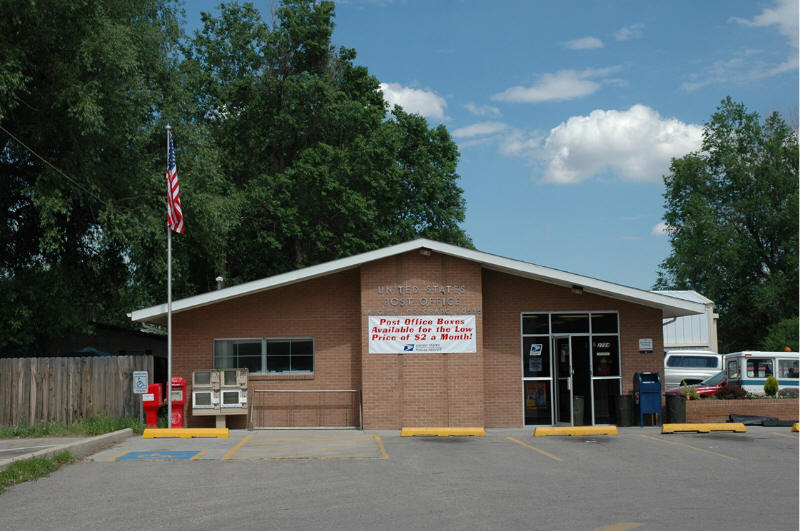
pixel 151 401
pixel 178 401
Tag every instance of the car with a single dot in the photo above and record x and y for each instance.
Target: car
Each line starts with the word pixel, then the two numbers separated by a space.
pixel 690 367
pixel 708 387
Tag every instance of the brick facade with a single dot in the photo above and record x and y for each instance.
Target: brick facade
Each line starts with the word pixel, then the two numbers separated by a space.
pixel 698 411
pixel 483 388
pixel 506 297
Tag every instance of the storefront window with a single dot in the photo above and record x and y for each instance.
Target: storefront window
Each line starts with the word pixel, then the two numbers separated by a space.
pixel 604 323
pixel 536 323
pixel 537 402
pixel 570 323
pixel 605 359
pixel 536 358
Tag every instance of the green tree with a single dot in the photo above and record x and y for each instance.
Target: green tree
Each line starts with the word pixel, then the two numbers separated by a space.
pixel 286 154
pixel 86 86
pixel 318 168
pixel 732 212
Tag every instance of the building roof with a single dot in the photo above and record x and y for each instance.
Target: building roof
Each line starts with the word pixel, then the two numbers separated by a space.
pixel 689 295
pixel 670 306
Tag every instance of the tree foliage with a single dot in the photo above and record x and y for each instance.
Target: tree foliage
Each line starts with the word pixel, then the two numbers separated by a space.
pixel 287 155
pixel 732 213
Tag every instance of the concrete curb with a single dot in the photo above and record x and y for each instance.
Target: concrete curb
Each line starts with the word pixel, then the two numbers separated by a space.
pixel 78 449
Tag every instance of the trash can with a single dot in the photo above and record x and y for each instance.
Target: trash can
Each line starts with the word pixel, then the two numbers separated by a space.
pixel 577 410
pixel 623 407
pixel 676 408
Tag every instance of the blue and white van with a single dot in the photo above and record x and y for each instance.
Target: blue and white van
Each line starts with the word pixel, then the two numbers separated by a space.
pixel 751 368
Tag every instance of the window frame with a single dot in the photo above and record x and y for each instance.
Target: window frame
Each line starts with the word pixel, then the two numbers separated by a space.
pixel 265 356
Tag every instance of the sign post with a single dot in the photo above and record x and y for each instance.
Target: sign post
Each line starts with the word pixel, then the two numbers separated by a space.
pixel 139 388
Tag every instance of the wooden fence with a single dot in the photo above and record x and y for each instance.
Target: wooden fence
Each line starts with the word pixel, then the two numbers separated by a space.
pixel 65 390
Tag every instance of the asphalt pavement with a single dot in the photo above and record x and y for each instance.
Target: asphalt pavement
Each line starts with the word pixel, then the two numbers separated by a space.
pixel 639 479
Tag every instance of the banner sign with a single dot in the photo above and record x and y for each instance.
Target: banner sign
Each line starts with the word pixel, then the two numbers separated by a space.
pixel 422 333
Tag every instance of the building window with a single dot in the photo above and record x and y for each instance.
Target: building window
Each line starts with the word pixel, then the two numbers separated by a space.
pixel 265 355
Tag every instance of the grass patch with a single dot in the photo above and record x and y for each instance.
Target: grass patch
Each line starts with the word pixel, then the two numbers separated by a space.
pixel 32 469
pixel 94 425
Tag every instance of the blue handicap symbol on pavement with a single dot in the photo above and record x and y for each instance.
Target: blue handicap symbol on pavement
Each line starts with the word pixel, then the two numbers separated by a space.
pixel 162 455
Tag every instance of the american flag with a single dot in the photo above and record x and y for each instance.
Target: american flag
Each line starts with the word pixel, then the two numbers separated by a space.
pixel 174 213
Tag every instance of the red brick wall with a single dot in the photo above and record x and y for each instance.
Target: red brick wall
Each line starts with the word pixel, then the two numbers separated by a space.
pixel 505 297
pixel 326 309
pixel 720 410
pixel 418 389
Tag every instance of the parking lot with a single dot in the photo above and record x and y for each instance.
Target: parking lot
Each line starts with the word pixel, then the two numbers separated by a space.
pixel 639 479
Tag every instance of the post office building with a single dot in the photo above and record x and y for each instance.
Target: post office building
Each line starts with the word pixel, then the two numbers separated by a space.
pixel 423 334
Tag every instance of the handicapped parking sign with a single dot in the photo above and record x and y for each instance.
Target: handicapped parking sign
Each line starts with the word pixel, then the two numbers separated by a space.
pixel 139 382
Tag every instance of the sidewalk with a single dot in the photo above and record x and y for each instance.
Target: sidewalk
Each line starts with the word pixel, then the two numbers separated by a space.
pixel 12 450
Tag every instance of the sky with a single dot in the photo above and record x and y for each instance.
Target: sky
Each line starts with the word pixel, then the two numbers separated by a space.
pixel 567 114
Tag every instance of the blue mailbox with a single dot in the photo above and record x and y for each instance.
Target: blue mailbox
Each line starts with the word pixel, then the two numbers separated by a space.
pixel 647 394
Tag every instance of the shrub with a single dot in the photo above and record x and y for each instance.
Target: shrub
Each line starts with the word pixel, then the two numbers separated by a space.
pixel 771 386
pixel 788 392
pixel 690 393
pixel 731 392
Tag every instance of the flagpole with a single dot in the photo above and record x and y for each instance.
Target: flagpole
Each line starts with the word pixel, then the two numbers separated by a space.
pixel 169 303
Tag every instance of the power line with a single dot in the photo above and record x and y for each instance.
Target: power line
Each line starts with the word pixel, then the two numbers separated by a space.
pixel 70 179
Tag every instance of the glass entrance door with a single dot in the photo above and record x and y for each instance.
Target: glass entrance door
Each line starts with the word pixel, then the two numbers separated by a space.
pixel 573 380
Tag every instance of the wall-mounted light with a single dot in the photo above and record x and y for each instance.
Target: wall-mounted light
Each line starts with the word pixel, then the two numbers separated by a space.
pixel 577 290
pixel 425 252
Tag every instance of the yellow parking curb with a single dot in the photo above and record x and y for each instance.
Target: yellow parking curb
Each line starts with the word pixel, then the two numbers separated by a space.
pixel 737 427
pixel 543 431
pixel 443 432
pixel 186 433
pixel 794 427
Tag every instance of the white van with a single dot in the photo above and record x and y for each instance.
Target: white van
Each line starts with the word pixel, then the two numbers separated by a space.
pixel 689 366
pixel 751 368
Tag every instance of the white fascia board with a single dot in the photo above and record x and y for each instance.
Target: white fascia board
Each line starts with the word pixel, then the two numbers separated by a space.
pixel 277 281
pixel 671 306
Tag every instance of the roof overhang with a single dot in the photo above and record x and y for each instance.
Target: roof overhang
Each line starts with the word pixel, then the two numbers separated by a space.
pixel 670 306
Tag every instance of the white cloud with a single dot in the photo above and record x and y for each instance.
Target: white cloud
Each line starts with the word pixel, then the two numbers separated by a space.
pixel 561 86
pixel 521 144
pixel 629 32
pixel 482 110
pixel 584 43
pixel 661 229
pixel 784 15
pixel 636 144
pixel 752 65
pixel 418 101
pixel 479 129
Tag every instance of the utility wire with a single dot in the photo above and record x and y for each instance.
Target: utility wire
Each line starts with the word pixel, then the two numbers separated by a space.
pixel 70 179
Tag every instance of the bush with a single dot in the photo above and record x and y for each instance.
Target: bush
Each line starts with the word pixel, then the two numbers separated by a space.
pixel 731 392
pixel 771 386
pixel 690 393
pixel 788 392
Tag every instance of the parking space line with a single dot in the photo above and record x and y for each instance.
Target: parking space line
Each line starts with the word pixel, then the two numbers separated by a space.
pixel 548 454
pixel 785 435
pixel 233 450
pixel 621 526
pixel 378 440
pixel 688 446
pixel 195 458
pixel 126 452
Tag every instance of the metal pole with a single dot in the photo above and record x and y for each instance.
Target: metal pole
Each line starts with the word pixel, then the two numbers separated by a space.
pixel 169 304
